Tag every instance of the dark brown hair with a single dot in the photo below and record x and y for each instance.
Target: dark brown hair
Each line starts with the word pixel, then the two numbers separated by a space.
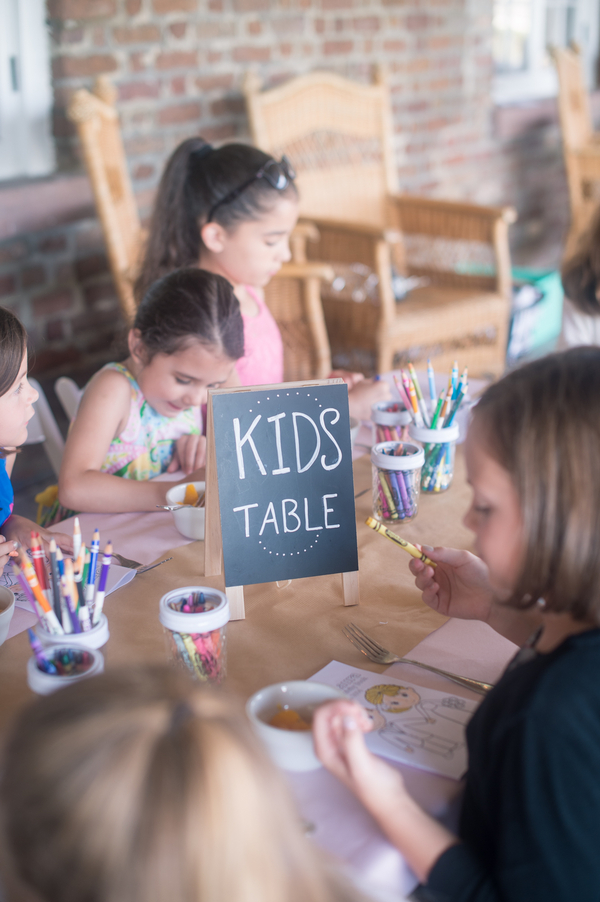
pixel 581 272
pixel 141 787
pixel 190 304
pixel 13 344
pixel 542 424
pixel 195 178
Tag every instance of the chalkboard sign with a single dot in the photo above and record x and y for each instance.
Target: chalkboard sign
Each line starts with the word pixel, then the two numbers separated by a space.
pixel 286 490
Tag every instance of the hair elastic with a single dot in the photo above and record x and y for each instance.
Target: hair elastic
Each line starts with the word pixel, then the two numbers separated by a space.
pixel 202 152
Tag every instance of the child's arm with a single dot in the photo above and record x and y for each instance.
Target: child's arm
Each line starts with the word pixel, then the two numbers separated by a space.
pixel 102 415
pixel 459 587
pixel 338 734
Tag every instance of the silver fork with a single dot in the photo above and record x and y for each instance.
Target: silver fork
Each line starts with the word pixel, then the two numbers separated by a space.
pixel 380 655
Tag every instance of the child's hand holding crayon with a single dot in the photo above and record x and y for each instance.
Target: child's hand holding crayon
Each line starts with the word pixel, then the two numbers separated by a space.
pixel 19 529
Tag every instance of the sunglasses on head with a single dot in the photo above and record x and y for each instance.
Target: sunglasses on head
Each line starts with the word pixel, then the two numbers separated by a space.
pixel 278 175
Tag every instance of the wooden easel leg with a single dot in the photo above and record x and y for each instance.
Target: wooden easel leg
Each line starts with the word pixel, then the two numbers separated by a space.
pixel 350 588
pixel 235 596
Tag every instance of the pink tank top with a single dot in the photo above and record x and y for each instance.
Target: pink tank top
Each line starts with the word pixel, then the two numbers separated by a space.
pixel 262 363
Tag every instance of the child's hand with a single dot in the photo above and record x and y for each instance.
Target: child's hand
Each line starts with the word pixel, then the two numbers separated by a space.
pixel 338 730
pixel 19 529
pixel 190 454
pixel 459 585
pixel 364 394
pixel 7 552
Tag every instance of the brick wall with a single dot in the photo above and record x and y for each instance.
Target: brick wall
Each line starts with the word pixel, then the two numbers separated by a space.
pixel 179 64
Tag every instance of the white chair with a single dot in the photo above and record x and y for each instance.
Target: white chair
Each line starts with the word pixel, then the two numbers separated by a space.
pixel 69 394
pixel 43 428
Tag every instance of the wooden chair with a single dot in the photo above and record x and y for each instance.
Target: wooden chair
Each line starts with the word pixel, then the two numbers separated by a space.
pixel 581 145
pixel 97 124
pixel 294 299
pixel 338 135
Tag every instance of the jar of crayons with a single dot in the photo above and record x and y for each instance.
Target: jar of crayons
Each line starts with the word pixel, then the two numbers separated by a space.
pixel 396 470
pixel 439 446
pixel 195 620
pixel 389 419
pixel 54 668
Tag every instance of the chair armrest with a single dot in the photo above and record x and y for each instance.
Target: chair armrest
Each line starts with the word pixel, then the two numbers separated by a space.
pixel 357 228
pixel 308 270
pixel 447 218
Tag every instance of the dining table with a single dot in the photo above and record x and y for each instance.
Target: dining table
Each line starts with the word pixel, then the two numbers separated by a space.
pixel 290 632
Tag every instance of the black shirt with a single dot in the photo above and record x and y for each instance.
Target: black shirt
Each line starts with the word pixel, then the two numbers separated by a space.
pixel 530 821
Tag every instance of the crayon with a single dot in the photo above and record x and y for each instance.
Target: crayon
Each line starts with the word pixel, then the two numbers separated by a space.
pixel 53 623
pixel 41 660
pixel 37 555
pixel 76 538
pixel 407 546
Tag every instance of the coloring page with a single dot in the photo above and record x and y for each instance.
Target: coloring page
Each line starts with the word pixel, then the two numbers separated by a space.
pixel 418 726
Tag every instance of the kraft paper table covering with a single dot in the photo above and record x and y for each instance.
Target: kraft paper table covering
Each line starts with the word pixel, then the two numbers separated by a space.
pixel 291 633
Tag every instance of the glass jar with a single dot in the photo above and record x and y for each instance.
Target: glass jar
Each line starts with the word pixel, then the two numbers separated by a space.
pixel 195 619
pixel 439 446
pixel 390 419
pixel 396 468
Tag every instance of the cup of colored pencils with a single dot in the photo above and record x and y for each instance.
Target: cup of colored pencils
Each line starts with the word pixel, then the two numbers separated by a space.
pixel 396 469
pixel 64 595
pixel 389 419
pixel 434 424
pixel 195 621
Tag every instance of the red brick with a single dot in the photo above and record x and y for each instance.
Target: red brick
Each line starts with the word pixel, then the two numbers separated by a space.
pixel 177 59
pixel 227 105
pixel 333 47
pixel 133 7
pixel 319 26
pixel 143 171
pixel 144 144
pixel 64 273
pixel 219 29
pixel 8 285
pixel 337 4
pixel 100 296
pixel 78 66
pixel 99 37
pixel 286 49
pixel 70 36
pixel 178 85
pixel 212 82
pixel 134 89
pixel 52 302
pixel 214 57
pixel 81 9
pixel 33 276
pixel 366 23
pixel 16 250
pixel 138 61
pixel 89 267
pixel 249 6
pixel 251 54
pixel 215 6
pixel 254 28
pixel 219 132
pixel 288 25
pixel 183 113
pixel 178 29
pixel 55 330
pixel 174 6
pixel 138 34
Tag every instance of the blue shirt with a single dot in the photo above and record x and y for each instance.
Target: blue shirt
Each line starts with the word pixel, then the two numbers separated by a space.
pixel 6 493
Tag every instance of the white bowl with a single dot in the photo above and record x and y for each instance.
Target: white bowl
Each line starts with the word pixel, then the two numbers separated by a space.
pixel 189 520
pixel 290 749
pixel 7 609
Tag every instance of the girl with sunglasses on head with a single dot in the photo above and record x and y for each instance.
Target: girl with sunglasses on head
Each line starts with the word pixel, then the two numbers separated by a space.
pixel 231 210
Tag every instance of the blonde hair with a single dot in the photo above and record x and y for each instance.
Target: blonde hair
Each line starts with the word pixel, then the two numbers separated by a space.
pixel 376 694
pixel 139 787
pixel 542 424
